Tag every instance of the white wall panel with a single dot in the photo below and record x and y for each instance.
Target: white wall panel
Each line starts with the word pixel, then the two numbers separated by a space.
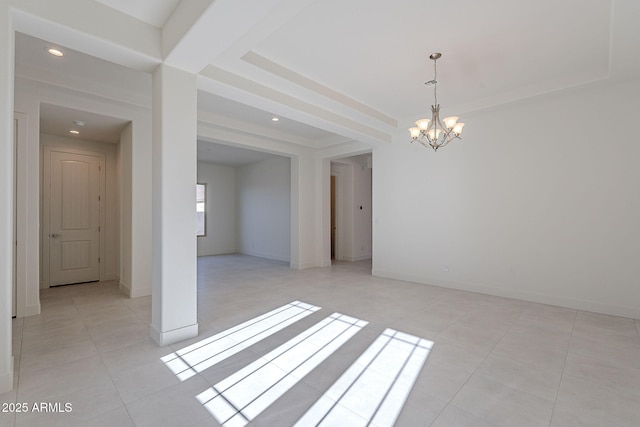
pixel 540 201
pixel 220 213
pixel 263 206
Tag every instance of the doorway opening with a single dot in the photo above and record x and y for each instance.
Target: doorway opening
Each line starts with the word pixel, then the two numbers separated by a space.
pixel 80 196
pixel 351 208
pixel 333 217
pixel 247 200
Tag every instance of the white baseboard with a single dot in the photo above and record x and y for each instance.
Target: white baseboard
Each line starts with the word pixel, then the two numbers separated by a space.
pixel 297 266
pixel 28 310
pixel 174 336
pixel 124 289
pixel 140 292
pixel 136 293
pixel 214 253
pixel 574 303
pixel 356 259
pixel 266 256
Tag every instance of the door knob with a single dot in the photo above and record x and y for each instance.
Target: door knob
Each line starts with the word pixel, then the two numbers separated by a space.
pixel 54 236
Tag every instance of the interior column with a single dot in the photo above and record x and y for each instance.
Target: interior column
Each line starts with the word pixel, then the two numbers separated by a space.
pixel 174 295
pixel 6 196
pixel 303 212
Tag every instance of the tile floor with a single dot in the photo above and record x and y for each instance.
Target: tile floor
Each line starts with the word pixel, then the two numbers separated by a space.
pixel 495 361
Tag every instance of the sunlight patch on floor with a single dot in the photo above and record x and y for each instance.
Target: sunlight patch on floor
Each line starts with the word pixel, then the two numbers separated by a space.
pixel 197 357
pixel 239 398
pixel 373 390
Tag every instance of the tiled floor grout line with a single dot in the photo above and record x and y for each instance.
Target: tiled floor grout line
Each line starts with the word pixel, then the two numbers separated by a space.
pixel 479 365
pixel 139 317
pixel 17 371
pixel 19 360
pixel 103 364
pixel 155 393
pixel 124 404
pixel 458 312
pixel 555 401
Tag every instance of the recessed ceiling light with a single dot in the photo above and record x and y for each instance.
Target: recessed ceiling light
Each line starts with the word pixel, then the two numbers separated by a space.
pixel 54 52
pixel 75 132
pixel 275 119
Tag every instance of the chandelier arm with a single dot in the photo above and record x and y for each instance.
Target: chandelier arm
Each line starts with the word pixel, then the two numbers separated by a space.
pixel 451 139
pixel 446 142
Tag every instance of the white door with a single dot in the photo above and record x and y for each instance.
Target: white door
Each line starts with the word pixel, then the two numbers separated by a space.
pixel 74 218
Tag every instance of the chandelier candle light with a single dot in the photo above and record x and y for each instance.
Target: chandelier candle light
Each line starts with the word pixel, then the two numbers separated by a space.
pixel 434 132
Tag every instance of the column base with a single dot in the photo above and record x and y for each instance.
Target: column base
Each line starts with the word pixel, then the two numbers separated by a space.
pixel 174 336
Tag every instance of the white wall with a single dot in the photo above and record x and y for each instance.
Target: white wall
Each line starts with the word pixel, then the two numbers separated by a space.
pixel 263 206
pixel 6 195
pixel 110 266
pixel 28 201
pixel 124 173
pixel 220 209
pixel 539 202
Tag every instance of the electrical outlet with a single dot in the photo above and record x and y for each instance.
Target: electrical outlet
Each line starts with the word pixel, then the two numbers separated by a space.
pixel 445 268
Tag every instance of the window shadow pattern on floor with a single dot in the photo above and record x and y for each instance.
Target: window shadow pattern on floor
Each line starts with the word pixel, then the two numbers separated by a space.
pixel 372 391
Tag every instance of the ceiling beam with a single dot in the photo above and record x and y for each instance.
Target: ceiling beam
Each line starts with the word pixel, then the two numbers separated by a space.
pixel 102 32
pixel 199 31
pixel 241 89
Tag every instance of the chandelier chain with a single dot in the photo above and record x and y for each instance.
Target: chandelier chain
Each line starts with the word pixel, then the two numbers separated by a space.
pixel 435 81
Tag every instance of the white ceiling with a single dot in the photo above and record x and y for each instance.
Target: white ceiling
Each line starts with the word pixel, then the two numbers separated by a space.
pixel 216 153
pixel 57 120
pixel 33 60
pixel 377 52
pixel 154 12
pixel 335 71
pixel 219 106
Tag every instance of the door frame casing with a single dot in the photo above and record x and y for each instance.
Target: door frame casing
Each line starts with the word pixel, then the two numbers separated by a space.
pixel 20 222
pixel 45 194
pixel 338 216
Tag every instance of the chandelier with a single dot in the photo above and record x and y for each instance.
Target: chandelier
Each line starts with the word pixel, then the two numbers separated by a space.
pixel 434 132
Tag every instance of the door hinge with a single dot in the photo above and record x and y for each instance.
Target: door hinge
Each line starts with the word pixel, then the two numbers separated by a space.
pixel 99 198
pixel 98 260
pixel 98 229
